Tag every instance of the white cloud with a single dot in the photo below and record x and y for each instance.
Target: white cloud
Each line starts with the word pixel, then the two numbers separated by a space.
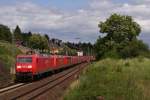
pixel 140 13
pixel 82 22
pixel 145 25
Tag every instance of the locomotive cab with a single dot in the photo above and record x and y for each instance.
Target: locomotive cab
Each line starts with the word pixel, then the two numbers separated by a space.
pixel 24 66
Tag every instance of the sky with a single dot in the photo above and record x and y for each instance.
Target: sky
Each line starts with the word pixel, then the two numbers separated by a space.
pixel 71 19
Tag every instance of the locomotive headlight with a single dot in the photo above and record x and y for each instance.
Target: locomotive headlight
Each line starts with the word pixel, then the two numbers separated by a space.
pixel 29 66
pixel 18 67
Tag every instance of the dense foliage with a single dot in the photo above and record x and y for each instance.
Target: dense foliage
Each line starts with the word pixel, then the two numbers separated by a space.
pixel 5 33
pixel 25 39
pixel 36 41
pixel 17 34
pixel 120 38
pixel 8 53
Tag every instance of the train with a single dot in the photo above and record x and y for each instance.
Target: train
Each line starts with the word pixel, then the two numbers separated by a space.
pixel 35 65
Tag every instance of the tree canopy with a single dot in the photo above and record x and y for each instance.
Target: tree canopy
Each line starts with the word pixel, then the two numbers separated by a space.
pixel 36 41
pixel 47 37
pixel 120 39
pixel 120 27
pixel 25 38
pixel 5 33
pixel 17 34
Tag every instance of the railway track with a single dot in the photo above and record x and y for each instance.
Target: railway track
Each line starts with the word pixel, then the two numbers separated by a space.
pixel 39 88
pixel 15 86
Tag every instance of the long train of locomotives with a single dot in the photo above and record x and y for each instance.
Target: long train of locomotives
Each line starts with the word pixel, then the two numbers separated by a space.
pixel 35 65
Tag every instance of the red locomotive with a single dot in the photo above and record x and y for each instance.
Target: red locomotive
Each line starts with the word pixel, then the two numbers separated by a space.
pixel 35 65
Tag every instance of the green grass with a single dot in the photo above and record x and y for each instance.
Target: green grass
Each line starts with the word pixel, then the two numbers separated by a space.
pixel 114 80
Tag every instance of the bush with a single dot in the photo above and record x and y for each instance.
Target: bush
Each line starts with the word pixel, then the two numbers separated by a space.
pixel 128 49
pixel 133 49
pixel 111 54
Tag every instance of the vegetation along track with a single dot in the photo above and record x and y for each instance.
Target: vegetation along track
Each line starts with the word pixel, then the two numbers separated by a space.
pixel 38 88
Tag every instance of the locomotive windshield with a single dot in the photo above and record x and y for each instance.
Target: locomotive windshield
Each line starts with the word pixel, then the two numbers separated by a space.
pixel 24 59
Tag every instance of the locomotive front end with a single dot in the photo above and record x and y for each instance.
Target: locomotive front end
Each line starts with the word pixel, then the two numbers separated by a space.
pixel 24 67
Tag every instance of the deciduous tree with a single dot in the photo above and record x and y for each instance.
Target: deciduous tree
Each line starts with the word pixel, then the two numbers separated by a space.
pixel 36 41
pixel 120 39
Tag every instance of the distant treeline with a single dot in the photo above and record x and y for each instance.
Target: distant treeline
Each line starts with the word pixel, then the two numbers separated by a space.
pixel 87 48
pixel 42 42
pixel 29 39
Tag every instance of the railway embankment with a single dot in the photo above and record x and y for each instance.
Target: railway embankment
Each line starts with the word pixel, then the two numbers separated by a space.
pixel 111 79
pixel 5 77
pixel 7 60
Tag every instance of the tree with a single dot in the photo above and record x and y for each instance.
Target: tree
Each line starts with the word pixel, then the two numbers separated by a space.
pixel 120 39
pixel 25 38
pixel 120 27
pixel 29 34
pixel 5 33
pixel 47 37
pixel 17 34
pixel 36 41
pixel 44 43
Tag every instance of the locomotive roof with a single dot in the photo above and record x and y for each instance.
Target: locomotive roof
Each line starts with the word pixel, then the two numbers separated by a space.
pixel 44 55
pixel 24 55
